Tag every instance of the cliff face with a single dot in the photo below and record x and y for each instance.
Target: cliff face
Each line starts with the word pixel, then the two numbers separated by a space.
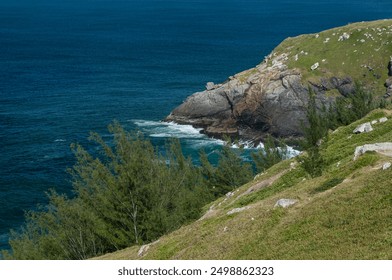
pixel 272 97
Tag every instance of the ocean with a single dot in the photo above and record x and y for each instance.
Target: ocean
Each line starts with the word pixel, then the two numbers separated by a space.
pixel 73 66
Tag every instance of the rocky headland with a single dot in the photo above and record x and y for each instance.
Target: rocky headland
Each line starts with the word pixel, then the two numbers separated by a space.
pixel 272 97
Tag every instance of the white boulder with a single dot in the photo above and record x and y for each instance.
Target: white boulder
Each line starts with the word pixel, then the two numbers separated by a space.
pixel 365 127
pixel 386 166
pixel 315 66
pixel 382 120
pixel 285 202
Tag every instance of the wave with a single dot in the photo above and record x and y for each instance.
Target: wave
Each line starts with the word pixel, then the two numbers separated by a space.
pixel 60 140
pixel 194 137
pixel 160 129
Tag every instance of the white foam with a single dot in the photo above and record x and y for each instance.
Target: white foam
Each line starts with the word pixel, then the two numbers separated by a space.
pixel 168 129
pixel 195 138
pixel 60 140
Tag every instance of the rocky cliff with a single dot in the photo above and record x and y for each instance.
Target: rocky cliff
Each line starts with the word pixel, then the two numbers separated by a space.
pixel 272 97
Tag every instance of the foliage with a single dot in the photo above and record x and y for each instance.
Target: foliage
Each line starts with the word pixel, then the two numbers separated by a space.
pixel 230 172
pixel 274 151
pixel 315 133
pixel 351 108
pixel 129 194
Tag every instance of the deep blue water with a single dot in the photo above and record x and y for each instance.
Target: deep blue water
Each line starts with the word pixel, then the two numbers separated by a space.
pixel 71 67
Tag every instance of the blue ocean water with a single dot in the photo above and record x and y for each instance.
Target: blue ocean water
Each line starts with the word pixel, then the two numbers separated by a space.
pixel 73 66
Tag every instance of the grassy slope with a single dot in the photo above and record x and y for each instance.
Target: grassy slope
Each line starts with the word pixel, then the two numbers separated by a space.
pixel 369 44
pixel 351 220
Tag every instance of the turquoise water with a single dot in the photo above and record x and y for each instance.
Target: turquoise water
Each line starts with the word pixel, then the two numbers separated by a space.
pixel 71 67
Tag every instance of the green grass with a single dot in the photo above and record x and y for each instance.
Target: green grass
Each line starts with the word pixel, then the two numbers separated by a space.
pixel 370 44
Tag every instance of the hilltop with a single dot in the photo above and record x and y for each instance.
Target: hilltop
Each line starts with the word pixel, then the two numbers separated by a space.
pixel 272 97
pixel 343 214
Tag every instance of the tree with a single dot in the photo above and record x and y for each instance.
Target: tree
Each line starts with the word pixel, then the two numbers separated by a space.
pixel 315 132
pixel 273 152
pixel 230 172
pixel 126 194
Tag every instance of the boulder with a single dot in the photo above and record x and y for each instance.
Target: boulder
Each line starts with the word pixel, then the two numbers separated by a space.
pixel 382 148
pixel 386 166
pixel 314 66
pixel 382 120
pixel 390 67
pixel 285 202
pixel 344 37
pixel 365 127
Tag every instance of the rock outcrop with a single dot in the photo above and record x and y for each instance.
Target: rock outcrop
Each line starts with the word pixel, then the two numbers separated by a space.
pixel 269 98
pixel 272 97
pixel 382 148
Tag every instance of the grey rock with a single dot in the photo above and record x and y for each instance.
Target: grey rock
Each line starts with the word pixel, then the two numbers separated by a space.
pixel 229 194
pixel 382 148
pixel 285 202
pixel 382 120
pixel 211 86
pixel 390 67
pixel 365 127
pixel 386 166
pixel 267 99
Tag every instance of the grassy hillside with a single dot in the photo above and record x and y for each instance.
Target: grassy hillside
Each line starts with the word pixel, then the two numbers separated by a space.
pixel 360 50
pixel 344 214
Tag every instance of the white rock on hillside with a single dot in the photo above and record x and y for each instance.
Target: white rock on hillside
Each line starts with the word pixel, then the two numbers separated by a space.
pixel 315 66
pixel 285 202
pixel 382 120
pixel 365 127
pixel 382 148
pixel 386 166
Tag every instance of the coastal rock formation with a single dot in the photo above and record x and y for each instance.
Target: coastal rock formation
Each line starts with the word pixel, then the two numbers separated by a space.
pixel 269 98
pixel 272 97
